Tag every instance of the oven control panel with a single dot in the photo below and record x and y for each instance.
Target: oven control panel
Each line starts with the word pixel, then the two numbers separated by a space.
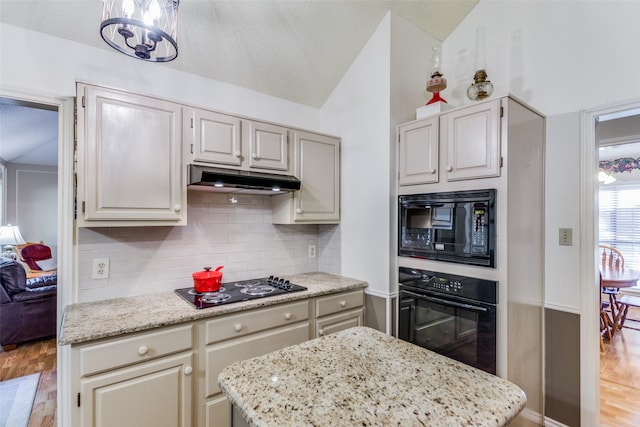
pixel 444 284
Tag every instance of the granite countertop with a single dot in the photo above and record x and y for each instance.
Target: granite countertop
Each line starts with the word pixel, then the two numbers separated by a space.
pixel 84 322
pixel 360 376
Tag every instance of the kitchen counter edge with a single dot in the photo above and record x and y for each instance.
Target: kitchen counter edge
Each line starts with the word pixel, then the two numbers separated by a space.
pixel 90 321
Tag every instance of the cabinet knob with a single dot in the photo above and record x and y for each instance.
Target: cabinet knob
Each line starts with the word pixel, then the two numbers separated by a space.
pixel 188 370
pixel 432 171
pixel 142 350
pixel 255 156
pixel 321 332
pixel 449 168
pixel 287 316
pixel 238 153
pixel 343 303
pixel 177 208
pixel 298 211
pixel 238 327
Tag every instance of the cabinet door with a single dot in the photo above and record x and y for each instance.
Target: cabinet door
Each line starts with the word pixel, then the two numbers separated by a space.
pixel 215 137
pixel 318 167
pixel 129 158
pixel 418 152
pixel 338 322
pixel 267 146
pixel 472 136
pixel 157 393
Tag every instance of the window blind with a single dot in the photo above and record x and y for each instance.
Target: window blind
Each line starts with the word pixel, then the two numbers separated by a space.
pixel 619 221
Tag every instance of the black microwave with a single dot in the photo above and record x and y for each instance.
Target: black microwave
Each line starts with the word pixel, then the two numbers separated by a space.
pixel 455 227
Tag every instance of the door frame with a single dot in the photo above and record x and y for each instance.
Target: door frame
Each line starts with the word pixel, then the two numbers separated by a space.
pixel 66 247
pixel 589 273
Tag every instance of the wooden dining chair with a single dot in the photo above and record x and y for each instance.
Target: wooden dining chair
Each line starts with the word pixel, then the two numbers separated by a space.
pixel 611 257
pixel 606 322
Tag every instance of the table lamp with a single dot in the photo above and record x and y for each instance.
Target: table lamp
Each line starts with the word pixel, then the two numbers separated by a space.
pixel 10 236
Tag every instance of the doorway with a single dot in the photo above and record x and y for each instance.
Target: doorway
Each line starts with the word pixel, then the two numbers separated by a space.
pixel 589 271
pixel 65 212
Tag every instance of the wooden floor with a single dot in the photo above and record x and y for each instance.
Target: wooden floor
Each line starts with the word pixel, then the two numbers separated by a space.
pixel 29 358
pixel 620 378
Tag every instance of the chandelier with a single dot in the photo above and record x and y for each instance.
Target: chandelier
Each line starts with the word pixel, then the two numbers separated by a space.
pixel 144 29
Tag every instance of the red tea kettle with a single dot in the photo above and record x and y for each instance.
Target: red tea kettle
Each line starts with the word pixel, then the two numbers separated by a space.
pixel 207 280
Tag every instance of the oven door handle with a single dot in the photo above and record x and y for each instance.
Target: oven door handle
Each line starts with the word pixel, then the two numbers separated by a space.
pixel 447 302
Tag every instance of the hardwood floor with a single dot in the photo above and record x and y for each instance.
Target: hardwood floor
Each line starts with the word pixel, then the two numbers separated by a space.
pixel 29 358
pixel 620 378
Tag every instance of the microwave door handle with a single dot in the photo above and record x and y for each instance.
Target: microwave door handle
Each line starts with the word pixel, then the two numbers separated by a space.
pixel 447 302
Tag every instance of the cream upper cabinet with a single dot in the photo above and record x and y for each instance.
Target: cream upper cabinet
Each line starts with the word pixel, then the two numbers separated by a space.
pixel 472 138
pixel 459 145
pixel 317 165
pixel 266 145
pixel 129 160
pixel 418 152
pixel 215 137
pixel 232 142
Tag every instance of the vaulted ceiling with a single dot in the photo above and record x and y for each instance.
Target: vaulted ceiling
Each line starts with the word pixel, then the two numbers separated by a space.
pixel 296 49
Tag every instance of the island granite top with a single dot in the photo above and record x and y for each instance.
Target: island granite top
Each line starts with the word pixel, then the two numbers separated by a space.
pixel 90 321
pixel 360 376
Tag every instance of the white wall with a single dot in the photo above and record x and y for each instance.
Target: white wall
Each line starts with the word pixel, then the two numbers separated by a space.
pixel 559 57
pixel 382 88
pixel 32 202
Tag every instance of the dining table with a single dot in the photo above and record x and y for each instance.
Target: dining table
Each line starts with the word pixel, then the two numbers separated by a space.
pixel 612 280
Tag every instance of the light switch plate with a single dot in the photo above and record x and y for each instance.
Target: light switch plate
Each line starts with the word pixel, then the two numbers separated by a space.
pixel 565 237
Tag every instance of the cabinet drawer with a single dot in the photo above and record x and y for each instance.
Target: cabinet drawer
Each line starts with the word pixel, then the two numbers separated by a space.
pixel 336 303
pixel 138 348
pixel 338 322
pixel 255 321
pixel 221 355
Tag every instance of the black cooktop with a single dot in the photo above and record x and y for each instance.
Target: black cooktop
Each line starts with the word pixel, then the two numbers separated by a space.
pixel 239 291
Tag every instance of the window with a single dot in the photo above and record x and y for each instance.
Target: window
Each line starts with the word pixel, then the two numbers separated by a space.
pixel 619 220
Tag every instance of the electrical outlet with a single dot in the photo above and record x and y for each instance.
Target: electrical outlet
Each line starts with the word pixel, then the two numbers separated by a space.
pixel 100 268
pixel 565 237
pixel 311 251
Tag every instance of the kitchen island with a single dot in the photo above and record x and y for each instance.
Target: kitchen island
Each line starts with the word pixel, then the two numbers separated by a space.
pixel 360 376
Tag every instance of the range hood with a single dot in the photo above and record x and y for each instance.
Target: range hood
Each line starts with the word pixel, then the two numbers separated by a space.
pixel 237 181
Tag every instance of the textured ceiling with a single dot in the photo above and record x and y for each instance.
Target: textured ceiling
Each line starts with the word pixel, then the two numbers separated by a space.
pixel 295 50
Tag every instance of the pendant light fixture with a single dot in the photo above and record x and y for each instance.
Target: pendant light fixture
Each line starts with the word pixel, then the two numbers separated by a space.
pixel 144 29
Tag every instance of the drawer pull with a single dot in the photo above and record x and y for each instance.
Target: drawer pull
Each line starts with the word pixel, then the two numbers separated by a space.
pixel 238 327
pixel 287 316
pixel 142 350
pixel 321 332
pixel 188 370
pixel 343 303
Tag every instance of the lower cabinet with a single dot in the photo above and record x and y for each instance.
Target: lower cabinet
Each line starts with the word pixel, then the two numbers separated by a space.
pixel 334 313
pixel 169 376
pixel 141 380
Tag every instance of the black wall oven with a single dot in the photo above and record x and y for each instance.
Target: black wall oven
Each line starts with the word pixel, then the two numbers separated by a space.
pixel 455 226
pixel 451 315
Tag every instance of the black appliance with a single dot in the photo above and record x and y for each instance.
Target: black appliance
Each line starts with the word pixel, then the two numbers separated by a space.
pixel 240 181
pixel 451 315
pixel 454 227
pixel 239 291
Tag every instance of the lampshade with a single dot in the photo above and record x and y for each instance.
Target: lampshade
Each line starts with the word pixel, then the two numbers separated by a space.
pixel 481 86
pixel 144 29
pixel 10 235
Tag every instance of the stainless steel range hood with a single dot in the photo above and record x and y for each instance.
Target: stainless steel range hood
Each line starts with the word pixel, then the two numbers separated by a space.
pixel 236 181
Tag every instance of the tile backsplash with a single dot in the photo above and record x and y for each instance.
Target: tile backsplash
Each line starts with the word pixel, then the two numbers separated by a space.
pixel 239 236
